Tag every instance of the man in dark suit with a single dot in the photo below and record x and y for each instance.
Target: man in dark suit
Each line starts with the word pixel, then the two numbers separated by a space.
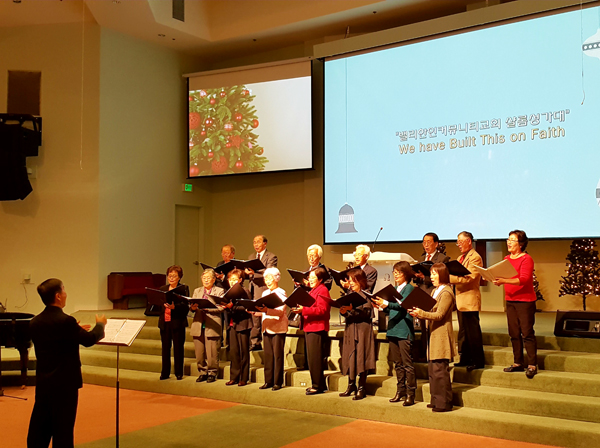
pixel 257 284
pixel 227 254
pixel 431 243
pixel 361 255
pixel 431 253
pixel 56 337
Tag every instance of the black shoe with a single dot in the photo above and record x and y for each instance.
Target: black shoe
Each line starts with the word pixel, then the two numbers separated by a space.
pixel 351 390
pixel 400 395
pixel 360 394
pixel 179 377
pixel 514 369
pixel 461 364
pixel 431 406
pixel 201 378
pixel 265 386
pixel 256 348
pixel 311 391
pixel 473 367
pixel 211 379
pixel 531 372
pixel 410 400
pixel 441 410
pixel 162 377
pixel 276 387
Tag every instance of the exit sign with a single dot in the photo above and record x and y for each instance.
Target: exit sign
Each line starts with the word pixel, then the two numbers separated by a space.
pixel 187 188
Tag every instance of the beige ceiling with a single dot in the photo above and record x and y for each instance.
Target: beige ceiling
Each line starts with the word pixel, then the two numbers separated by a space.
pixel 228 29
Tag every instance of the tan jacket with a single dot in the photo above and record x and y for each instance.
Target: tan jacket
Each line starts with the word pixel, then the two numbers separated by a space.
pixel 211 319
pixel 468 296
pixel 441 334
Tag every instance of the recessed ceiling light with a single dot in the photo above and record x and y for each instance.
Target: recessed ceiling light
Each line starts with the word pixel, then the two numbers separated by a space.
pixel 16 1
pixel 161 35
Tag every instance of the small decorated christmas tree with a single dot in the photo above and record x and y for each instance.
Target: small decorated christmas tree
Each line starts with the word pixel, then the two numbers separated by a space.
pixel 222 138
pixel 583 271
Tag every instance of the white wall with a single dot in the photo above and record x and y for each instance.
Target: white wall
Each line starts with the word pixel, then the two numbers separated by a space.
pixel 54 231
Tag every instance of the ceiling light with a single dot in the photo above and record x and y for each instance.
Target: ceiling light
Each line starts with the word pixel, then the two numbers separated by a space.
pixel 16 1
pixel 161 35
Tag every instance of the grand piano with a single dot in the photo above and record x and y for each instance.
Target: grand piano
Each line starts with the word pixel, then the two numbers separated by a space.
pixel 14 333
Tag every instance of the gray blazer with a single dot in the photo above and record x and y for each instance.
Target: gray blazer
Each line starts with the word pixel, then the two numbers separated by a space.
pixel 210 318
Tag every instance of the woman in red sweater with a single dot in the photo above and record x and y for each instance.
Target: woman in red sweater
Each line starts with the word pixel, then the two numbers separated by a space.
pixel 520 304
pixel 315 323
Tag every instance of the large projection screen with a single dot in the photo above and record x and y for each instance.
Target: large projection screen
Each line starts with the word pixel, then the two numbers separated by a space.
pixel 486 131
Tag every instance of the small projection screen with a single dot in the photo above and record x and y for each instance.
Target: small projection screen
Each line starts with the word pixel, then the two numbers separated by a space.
pixel 250 120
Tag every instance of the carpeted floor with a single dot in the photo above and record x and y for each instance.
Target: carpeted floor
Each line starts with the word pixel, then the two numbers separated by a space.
pixel 168 421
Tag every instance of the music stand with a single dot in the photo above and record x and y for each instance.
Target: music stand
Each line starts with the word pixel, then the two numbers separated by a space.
pixel 120 333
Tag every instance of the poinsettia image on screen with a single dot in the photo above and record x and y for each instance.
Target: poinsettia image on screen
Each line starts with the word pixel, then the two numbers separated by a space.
pixel 222 124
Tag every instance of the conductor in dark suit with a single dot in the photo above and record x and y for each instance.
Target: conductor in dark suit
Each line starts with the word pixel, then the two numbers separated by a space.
pixel 431 253
pixel 257 284
pixel 56 337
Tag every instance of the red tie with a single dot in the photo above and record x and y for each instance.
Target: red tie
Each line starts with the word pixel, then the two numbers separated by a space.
pixel 462 258
pixel 428 257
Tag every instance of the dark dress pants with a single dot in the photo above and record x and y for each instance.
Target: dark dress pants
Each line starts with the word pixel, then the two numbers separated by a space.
pixel 53 417
pixel 317 352
pixel 176 337
pixel 274 345
pixel 401 355
pixel 470 339
pixel 256 332
pixel 521 319
pixel 439 383
pixel 239 351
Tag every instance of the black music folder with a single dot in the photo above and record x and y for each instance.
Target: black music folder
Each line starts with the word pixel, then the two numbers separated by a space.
pixel 338 276
pixel 235 293
pixel 255 265
pixel 423 267
pixel 298 276
pixel 202 303
pixel 388 293
pixel 455 268
pixel 271 301
pixel 299 297
pixel 158 297
pixel 419 299
pixel 354 299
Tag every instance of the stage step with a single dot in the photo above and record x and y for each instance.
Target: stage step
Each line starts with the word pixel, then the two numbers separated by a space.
pixel 556 360
pixel 570 383
pixel 546 404
pixel 485 422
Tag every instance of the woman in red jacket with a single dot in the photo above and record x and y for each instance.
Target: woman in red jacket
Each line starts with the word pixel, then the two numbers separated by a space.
pixel 315 323
pixel 520 304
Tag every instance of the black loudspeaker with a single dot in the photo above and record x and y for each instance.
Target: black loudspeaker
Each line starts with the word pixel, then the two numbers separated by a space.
pixel 581 324
pixel 16 144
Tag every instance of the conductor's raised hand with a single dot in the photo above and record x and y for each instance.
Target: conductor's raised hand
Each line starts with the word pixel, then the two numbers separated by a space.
pixel 100 319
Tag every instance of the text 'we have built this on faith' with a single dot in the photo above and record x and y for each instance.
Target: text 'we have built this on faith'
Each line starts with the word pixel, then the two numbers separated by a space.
pixel 483 140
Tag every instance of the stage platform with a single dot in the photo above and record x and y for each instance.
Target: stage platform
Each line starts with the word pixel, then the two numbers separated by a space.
pixel 560 406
